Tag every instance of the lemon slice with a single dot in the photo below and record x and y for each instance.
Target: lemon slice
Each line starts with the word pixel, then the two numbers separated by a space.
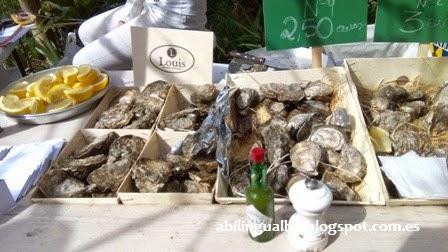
pixel 19 89
pixel 59 78
pixel 69 74
pixel 37 106
pixel 60 105
pixel 43 86
pixel 84 71
pixel 102 83
pixel 12 104
pixel 79 94
pixel 30 90
pixel 380 140
pixel 56 93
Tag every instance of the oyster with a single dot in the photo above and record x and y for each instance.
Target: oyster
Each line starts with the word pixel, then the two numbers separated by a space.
pixel 245 99
pixel 305 157
pixel 392 92
pixel 110 175
pixel 278 109
pixel 125 147
pixel 128 97
pixel 415 108
pixel 320 109
pixel 174 185
pixel 183 120
pixel 441 98
pixel 204 94
pixel 195 187
pixel 417 95
pixel 437 119
pixel 157 89
pixel 99 145
pixel 380 103
pixel 329 137
pixel 352 166
pixel 317 89
pixel 56 184
pixel 389 119
pixel 276 139
pixel 341 191
pixel 80 168
pixel 299 126
pixel 239 180
pixel 407 137
pixel 118 116
pixel 342 119
pixel 278 178
pixel 190 145
pixel 151 175
pixel 283 92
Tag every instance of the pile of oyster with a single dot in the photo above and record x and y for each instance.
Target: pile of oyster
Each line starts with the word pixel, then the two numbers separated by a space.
pixel 301 135
pixel 406 116
pixel 95 170
pixel 177 172
pixel 134 109
pixel 191 118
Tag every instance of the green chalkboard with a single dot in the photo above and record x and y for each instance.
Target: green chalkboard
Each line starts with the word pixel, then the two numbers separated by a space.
pixel 296 23
pixel 412 21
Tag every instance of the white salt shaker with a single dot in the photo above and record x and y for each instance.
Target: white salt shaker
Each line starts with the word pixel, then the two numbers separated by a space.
pixel 310 198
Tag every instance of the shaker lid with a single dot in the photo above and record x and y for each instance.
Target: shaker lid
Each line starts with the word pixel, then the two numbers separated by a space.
pixel 310 195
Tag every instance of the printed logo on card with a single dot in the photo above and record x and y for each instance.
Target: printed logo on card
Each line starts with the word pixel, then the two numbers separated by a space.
pixel 172 59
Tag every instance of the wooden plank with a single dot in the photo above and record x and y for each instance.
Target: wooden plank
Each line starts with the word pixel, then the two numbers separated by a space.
pixel 316 56
pixel 194 228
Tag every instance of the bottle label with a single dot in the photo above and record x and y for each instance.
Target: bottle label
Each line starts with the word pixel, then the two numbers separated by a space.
pixel 257 221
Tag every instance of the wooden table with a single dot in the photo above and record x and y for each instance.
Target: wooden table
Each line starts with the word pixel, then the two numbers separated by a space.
pixel 37 227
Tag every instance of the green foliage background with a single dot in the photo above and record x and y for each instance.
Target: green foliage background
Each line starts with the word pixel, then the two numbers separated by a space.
pixel 238 25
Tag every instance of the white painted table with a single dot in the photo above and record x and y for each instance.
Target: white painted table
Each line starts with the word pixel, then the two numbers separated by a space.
pixel 37 227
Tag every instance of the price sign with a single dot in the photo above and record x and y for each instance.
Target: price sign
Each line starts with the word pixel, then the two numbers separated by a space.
pixel 295 23
pixel 412 21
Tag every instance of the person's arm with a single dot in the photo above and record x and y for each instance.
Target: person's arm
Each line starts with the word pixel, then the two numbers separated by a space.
pixel 131 10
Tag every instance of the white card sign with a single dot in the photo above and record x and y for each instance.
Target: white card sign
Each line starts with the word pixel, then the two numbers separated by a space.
pixel 175 56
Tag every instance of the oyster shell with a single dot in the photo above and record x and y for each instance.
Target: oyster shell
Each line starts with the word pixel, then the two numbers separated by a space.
pixel 329 137
pixel 204 94
pixel 352 165
pixel 441 99
pixel 437 119
pixel 118 116
pixel 80 168
pixel 157 89
pixel 110 175
pixel 380 103
pixel 174 185
pixel 183 120
pixel 278 109
pixel 125 147
pixel 239 179
pixel 299 126
pixel 392 92
pixel 202 176
pixel 195 187
pixel 389 119
pixel 276 139
pixel 415 108
pixel 305 157
pixel 151 175
pixel 320 109
pixel 278 178
pixel 245 99
pixel 342 119
pixel 407 137
pixel 283 92
pixel 341 191
pixel 56 184
pixel 317 89
pixel 416 96
pixel 99 145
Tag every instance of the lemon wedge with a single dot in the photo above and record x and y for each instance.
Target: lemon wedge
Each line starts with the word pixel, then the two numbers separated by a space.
pixel 12 104
pixel 102 82
pixel 19 89
pixel 56 93
pixel 60 105
pixel 30 90
pixel 37 106
pixel 79 94
pixel 380 140
pixel 84 71
pixel 69 74
pixel 43 86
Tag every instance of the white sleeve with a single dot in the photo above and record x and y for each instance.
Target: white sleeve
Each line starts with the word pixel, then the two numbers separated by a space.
pixel 132 9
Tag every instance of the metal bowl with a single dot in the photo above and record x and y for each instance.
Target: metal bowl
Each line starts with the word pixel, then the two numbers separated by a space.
pixel 59 115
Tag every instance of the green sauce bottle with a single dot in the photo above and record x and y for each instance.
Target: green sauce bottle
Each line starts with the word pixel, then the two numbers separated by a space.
pixel 259 199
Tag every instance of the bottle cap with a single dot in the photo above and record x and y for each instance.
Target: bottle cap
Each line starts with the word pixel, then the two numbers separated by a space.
pixel 310 195
pixel 257 155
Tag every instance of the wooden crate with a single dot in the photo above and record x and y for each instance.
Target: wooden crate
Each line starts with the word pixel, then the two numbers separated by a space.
pixel 79 140
pixel 160 143
pixel 369 73
pixel 372 190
